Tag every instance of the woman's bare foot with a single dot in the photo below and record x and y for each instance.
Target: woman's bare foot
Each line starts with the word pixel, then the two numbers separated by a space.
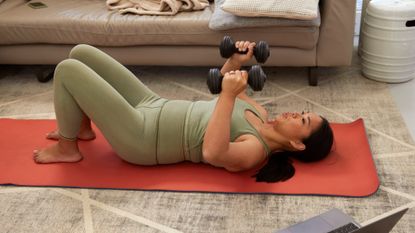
pixel 84 135
pixel 63 151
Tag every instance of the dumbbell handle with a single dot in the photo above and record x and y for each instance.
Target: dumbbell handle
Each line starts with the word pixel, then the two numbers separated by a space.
pixel 236 50
pixel 227 48
pixel 228 41
pixel 256 79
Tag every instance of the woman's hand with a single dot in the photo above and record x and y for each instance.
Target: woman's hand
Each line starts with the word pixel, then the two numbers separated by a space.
pixel 234 82
pixel 239 58
pixel 217 148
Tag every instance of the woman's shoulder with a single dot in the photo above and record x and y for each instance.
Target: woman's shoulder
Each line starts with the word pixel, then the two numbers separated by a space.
pixel 255 107
pixel 244 153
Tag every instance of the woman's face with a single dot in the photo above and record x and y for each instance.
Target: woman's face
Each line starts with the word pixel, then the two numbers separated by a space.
pixel 296 126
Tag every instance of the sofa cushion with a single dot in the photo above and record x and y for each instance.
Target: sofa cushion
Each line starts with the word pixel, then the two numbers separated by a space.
pixel 79 21
pixel 222 20
pixel 6 5
pixel 291 9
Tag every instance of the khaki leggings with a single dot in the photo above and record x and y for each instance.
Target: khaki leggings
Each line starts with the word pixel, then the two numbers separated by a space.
pixel 91 82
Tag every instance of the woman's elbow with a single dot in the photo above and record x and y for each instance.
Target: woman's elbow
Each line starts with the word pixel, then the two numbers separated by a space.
pixel 218 159
pixel 208 155
pixel 235 169
pixel 213 157
pixel 212 153
pixel 238 166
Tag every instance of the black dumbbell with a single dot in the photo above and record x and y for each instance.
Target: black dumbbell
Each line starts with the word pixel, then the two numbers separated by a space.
pixel 227 49
pixel 256 79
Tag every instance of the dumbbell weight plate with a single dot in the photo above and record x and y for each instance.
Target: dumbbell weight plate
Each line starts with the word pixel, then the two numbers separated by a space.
pixel 261 52
pixel 227 47
pixel 214 81
pixel 256 78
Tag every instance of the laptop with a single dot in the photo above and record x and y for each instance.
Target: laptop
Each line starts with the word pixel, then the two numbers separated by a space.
pixel 335 221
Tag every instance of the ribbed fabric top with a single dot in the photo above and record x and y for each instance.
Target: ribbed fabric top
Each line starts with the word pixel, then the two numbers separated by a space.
pixel 197 121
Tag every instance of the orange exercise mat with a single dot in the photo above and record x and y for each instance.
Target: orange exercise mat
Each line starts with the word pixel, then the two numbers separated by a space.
pixel 348 171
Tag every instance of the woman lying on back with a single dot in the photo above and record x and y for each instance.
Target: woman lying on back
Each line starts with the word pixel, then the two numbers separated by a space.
pixel 230 131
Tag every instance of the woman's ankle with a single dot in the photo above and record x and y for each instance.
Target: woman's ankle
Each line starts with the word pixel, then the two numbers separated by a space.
pixel 68 145
pixel 86 134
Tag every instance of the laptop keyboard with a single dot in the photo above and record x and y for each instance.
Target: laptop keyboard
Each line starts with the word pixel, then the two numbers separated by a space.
pixel 345 229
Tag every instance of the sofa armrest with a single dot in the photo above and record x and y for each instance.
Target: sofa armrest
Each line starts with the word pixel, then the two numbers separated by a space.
pixel 335 44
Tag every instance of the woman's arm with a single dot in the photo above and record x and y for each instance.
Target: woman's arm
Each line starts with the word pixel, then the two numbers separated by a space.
pixel 236 60
pixel 217 148
pixel 234 63
pixel 262 111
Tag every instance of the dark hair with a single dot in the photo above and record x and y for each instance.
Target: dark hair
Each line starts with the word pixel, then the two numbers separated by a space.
pixel 279 166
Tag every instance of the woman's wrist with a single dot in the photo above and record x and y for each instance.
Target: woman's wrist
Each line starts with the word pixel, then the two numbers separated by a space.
pixel 235 63
pixel 242 95
pixel 230 65
pixel 227 95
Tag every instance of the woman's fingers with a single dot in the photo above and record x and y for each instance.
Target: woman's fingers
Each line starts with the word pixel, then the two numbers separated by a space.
pixel 244 75
pixel 242 45
pixel 251 49
pixel 239 77
pixel 245 45
pixel 237 44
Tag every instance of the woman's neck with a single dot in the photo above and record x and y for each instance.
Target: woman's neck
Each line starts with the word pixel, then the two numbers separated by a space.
pixel 266 131
pixel 271 138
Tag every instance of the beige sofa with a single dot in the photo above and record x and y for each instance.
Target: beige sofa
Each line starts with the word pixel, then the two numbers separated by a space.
pixel 45 36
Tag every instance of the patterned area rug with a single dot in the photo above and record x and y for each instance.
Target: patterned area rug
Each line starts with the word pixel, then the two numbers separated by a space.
pixel 342 95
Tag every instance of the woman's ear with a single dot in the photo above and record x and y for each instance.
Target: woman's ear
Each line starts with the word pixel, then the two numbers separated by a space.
pixel 297 145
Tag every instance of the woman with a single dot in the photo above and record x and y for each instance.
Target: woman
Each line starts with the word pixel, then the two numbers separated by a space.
pixel 230 132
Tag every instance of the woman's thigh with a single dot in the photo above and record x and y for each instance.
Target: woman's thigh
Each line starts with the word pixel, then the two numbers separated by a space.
pixel 79 89
pixel 117 75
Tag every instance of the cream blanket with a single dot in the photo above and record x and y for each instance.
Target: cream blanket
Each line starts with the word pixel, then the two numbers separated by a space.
pixel 156 7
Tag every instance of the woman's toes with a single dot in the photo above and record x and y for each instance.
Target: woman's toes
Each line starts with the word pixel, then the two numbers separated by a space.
pixel 36 157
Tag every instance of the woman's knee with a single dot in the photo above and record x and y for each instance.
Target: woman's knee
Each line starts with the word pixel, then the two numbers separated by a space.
pixel 80 50
pixel 67 68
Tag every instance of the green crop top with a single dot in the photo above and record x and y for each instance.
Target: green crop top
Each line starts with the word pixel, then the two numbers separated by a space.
pixel 197 119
